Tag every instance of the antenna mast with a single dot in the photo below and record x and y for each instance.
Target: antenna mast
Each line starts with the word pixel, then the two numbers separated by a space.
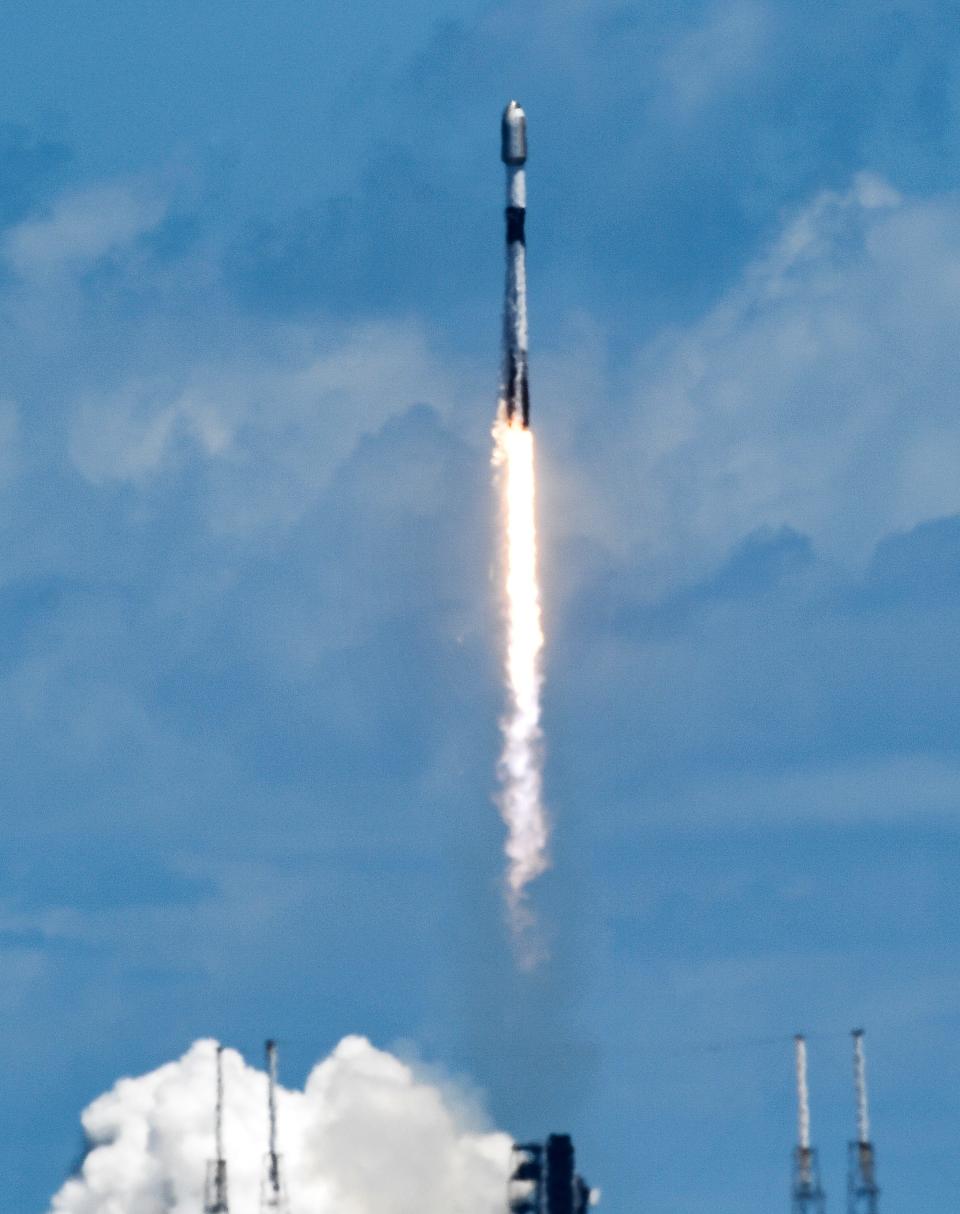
pixel 215 1191
pixel 862 1191
pixel 807 1195
pixel 273 1191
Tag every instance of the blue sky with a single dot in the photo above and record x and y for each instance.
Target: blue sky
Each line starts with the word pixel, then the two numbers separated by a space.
pixel 250 277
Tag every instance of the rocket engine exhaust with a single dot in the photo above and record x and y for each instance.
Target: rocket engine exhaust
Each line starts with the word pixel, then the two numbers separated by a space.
pixel 519 769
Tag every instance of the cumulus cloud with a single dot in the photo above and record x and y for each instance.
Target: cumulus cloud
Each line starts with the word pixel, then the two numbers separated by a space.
pixel 365 1136
pixel 718 54
pixel 270 421
pixel 81 228
pixel 817 393
pixel 155 365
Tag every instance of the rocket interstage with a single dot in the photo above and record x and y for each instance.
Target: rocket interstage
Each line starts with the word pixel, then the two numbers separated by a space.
pixel 513 152
pixel 519 769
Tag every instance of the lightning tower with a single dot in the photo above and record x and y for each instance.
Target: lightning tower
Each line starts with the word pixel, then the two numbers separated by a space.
pixel 807 1195
pixel 215 1190
pixel 273 1190
pixel 862 1191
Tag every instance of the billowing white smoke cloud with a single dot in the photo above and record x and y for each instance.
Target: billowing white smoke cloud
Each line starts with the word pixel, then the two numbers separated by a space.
pixel 366 1136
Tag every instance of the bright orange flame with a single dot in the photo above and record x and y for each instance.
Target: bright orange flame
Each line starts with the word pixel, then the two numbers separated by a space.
pixel 521 800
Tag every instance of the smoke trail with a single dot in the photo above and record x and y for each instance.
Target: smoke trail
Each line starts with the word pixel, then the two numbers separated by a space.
pixel 519 769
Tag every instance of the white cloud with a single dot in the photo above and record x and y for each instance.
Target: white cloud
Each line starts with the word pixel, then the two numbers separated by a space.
pixel 820 393
pixel 720 54
pixel 82 228
pixel 366 1136
pixel 272 423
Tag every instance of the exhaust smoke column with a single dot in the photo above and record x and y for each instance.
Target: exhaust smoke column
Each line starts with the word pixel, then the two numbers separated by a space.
pixel 520 800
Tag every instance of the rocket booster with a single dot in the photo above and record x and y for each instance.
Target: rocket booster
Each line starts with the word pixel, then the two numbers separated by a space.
pixel 513 152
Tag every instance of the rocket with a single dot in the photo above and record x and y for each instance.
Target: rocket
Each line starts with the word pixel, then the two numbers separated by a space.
pixel 513 152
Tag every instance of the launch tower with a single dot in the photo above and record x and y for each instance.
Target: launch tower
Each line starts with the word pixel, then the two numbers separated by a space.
pixel 862 1191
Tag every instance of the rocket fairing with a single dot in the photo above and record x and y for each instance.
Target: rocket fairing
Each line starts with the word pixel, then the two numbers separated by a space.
pixel 513 152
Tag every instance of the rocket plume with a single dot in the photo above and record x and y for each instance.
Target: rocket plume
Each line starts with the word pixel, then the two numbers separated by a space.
pixel 521 800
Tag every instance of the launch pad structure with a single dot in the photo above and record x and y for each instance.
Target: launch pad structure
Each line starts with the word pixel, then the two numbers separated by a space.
pixel 544 1180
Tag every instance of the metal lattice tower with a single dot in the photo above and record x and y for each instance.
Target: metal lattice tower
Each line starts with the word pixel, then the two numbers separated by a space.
pixel 862 1192
pixel 215 1189
pixel 273 1190
pixel 807 1195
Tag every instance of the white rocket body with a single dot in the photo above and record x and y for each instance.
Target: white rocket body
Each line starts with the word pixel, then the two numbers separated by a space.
pixel 513 152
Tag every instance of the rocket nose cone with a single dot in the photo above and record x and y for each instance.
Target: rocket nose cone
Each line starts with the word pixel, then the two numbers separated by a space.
pixel 513 132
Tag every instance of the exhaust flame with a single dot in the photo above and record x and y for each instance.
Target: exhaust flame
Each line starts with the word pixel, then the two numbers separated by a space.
pixel 519 769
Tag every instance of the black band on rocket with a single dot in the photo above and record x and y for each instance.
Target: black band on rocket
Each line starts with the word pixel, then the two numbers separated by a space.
pixel 515 222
